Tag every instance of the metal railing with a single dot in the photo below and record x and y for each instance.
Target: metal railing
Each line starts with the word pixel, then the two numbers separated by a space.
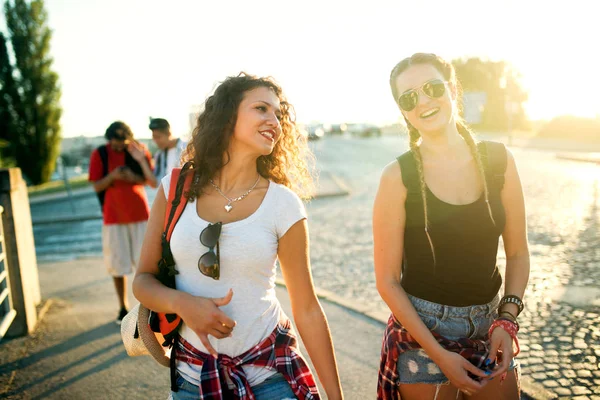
pixel 7 312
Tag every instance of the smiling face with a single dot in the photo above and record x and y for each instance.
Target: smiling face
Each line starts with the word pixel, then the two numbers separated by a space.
pixel 257 127
pixel 430 114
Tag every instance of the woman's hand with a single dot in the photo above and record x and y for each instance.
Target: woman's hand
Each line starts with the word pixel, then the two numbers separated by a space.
pixel 136 151
pixel 204 317
pixel 501 341
pixel 130 176
pixel 117 174
pixel 456 369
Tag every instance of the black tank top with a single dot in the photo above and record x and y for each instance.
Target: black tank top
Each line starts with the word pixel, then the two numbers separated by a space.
pixel 464 238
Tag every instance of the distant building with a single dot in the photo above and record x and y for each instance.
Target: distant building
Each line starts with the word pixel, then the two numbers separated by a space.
pixel 77 150
pixel 75 144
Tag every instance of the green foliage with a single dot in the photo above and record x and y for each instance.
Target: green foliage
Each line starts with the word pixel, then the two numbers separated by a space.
pixel 7 90
pixel 501 84
pixel 29 91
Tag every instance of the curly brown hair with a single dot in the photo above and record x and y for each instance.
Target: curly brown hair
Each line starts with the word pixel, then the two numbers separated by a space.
pixel 288 164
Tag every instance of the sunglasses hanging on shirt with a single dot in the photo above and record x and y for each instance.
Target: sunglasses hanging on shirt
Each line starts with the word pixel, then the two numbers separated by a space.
pixel 209 263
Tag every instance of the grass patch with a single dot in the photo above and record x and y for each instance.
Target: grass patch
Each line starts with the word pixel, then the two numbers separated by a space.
pixel 58 186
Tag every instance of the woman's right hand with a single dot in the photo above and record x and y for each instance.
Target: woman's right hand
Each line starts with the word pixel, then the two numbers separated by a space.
pixel 455 367
pixel 204 317
pixel 117 174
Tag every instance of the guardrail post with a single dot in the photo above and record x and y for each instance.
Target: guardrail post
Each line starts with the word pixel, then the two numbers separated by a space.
pixel 20 251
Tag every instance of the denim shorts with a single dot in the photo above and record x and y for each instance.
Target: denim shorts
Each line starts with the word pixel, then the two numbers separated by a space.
pixel 273 388
pixel 454 323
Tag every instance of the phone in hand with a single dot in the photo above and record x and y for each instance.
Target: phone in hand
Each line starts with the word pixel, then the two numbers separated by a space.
pixel 485 368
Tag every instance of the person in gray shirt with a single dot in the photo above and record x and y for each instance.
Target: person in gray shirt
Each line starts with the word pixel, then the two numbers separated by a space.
pixel 170 148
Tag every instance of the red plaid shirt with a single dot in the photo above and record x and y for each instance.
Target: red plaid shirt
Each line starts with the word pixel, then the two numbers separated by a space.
pixel 278 352
pixel 396 340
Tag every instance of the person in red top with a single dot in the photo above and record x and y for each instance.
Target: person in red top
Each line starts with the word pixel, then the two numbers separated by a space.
pixel 125 207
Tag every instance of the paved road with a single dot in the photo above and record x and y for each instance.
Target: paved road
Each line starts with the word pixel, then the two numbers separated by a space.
pixel 561 324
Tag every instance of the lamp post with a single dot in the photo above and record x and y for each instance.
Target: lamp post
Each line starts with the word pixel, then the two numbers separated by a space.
pixel 508 106
pixel 60 165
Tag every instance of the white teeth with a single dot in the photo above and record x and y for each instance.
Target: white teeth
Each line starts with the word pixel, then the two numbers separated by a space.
pixel 267 134
pixel 429 113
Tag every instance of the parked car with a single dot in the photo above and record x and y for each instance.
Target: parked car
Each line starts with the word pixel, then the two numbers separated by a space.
pixel 313 131
pixel 364 130
pixel 336 129
pixel 316 133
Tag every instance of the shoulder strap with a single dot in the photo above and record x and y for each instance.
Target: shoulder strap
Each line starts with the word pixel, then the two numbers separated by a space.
pixel 410 175
pixel 494 158
pixel 103 152
pixel 181 181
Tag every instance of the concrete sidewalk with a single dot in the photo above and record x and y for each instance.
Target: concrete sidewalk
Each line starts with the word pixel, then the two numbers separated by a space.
pixel 76 352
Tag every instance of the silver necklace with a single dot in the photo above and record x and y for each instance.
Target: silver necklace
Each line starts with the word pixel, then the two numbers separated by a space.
pixel 230 201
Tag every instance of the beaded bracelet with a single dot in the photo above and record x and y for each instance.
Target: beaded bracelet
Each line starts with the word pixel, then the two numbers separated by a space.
pixel 511 298
pixel 514 318
pixel 511 321
pixel 510 327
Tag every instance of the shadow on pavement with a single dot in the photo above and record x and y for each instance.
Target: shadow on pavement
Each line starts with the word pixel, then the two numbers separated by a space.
pixel 72 346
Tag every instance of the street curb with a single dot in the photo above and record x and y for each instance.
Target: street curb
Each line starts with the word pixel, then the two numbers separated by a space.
pixel 44 309
pixel 342 188
pixel 330 297
pixel 529 388
pixel 60 195
pixel 586 157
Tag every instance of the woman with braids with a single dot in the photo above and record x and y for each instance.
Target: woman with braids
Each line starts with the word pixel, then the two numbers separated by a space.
pixel 243 214
pixel 438 215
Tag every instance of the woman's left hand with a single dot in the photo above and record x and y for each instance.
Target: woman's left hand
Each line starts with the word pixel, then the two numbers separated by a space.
pixel 501 341
pixel 136 151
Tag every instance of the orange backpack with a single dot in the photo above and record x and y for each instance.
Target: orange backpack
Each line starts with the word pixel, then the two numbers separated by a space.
pixel 168 324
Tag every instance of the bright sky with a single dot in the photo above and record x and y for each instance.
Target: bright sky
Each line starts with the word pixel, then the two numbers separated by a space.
pixel 129 59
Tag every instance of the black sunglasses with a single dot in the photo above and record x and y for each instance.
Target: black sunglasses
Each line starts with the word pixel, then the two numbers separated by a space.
pixel 209 263
pixel 433 89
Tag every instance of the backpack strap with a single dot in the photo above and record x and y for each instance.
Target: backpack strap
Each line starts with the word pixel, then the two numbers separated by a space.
pixel 183 181
pixel 494 159
pixel 175 206
pixel 168 324
pixel 103 152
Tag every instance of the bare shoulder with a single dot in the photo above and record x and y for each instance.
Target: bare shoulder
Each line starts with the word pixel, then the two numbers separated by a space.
pixel 392 176
pixel 391 186
pixel 511 166
pixel 510 158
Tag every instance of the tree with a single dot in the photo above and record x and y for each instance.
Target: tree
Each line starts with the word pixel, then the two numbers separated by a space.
pixel 30 92
pixel 501 84
pixel 6 117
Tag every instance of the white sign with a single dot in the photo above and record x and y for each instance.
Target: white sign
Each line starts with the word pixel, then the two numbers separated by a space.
pixel 473 106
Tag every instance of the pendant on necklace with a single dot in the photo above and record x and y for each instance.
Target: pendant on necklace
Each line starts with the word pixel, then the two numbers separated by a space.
pixel 228 207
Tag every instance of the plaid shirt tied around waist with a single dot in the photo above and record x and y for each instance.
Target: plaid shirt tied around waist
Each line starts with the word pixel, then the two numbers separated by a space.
pixel 277 351
pixel 396 340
